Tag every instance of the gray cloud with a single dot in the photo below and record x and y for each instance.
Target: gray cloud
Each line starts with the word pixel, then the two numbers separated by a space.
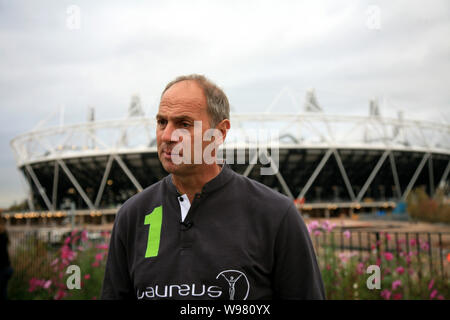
pixel 251 48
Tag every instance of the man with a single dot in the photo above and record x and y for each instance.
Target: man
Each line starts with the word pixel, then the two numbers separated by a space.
pixel 204 231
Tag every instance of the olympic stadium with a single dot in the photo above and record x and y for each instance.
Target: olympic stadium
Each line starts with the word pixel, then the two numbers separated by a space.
pixel 327 164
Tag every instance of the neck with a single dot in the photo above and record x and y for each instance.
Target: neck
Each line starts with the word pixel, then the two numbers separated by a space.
pixel 193 183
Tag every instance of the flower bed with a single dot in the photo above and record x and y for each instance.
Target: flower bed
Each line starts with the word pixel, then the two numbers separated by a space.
pixel 50 280
pixel 40 270
pixel 403 266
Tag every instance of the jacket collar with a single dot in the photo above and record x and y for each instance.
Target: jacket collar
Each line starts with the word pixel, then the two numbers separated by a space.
pixel 225 174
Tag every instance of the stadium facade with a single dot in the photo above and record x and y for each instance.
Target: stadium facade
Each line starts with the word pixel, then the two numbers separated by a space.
pixel 327 164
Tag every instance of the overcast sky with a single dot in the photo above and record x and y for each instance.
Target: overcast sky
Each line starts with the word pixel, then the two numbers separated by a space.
pixel 349 51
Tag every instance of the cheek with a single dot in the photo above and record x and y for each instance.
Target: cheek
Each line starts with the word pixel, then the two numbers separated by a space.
pixel 158 137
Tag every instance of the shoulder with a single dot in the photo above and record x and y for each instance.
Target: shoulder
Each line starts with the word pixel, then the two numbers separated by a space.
pixel 261 197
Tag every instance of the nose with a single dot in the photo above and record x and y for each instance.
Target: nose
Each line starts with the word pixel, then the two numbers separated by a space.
pixel 167 133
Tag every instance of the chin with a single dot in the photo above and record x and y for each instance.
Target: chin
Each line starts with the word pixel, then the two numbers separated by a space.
pixel 170 167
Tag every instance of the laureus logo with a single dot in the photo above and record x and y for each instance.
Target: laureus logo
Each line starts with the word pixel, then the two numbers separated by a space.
pixel 238 285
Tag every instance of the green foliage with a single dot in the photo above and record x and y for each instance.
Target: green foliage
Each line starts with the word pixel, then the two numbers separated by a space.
pixel 17 207
pixel 423 208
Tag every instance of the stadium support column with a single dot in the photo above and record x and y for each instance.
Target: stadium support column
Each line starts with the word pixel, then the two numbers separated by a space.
pixel 39 187
pixel 415 176
pixel 444 175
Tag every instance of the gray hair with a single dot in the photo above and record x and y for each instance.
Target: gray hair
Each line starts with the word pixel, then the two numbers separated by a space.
pixel 217 107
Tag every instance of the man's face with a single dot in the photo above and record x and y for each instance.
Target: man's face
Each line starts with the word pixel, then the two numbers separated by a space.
pixel 181 105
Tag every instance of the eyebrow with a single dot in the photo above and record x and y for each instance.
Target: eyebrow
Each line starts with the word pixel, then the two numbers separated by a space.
pixel 177 118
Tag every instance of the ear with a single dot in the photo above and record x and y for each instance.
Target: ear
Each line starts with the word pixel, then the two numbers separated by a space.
pixel 223 126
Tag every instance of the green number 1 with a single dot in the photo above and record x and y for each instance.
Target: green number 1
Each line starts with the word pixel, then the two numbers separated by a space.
pixel 154 219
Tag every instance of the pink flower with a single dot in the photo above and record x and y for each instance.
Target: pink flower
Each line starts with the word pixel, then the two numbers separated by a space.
pixel 104 234
pixel 98 256
pixel 84 235
pixel 102 246
pixel 388 236
pixel 440 297
pixel 328 226
pixel 386 294
pixel 95 264
pixel 314 225
pixel 343 256
pixel 396 284
pixel 412 242
pixel 360 268
pixel 317 233
pixel 400 270
pixel 74 232
pixel 397 296
pixel 388 256
pixel 66 241
pixel 87 276
pixel 60 294
pixel 67 253
pixel 328 267
pixel 433 294
pixel 32 284
pixel 425 246
pixel 347 234
pixel 408 260
pixel 430 285
pixel 47 284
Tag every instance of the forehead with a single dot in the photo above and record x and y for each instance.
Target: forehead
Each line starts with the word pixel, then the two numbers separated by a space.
pixel 183 96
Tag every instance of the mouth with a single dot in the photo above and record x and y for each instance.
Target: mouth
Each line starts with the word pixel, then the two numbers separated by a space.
pixel 167 154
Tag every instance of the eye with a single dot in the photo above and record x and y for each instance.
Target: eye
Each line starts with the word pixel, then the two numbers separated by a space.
pixel 161 122
pixel 185 124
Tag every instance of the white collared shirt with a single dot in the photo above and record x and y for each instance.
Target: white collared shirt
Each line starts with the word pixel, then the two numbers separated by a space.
pixel 184 205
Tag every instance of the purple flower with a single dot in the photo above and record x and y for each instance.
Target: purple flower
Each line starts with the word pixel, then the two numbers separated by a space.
pixel 347 234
